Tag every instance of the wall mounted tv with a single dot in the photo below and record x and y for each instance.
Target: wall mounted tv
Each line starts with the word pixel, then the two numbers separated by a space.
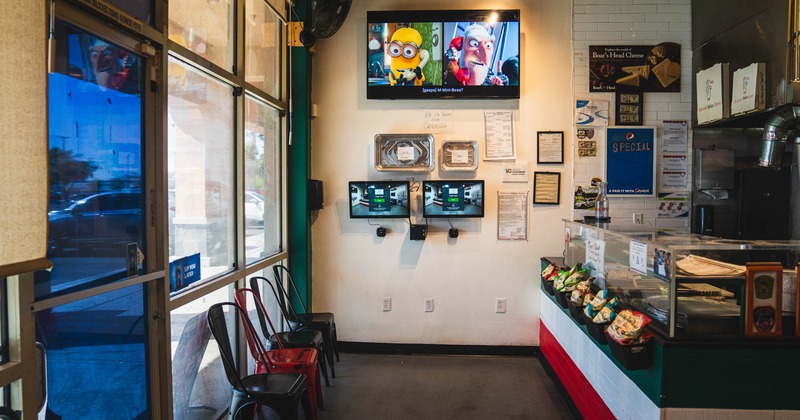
pixel 453 198
pixel 443 54
pixel 379 199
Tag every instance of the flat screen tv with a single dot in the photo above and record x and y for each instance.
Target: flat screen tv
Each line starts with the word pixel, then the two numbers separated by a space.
pixel 457 198
pixel 379 199
pixel 443 54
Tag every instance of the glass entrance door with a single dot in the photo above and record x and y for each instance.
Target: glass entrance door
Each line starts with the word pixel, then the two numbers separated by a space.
pixel 96 340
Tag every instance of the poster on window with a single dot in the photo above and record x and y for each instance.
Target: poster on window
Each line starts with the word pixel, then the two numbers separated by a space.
pixel 631 161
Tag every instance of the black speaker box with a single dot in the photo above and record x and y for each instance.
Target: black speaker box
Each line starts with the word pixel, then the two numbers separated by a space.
pixel 315 199
pixel 419 232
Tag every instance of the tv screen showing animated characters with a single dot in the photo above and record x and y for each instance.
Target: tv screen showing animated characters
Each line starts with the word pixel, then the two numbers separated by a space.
pixel 453 198
pixel 443 54
pixel 379 199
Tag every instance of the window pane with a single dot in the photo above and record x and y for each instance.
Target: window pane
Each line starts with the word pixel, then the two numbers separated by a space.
pixel 262 35
pixel 262 180
pixel 205 28
pixel 96 356
pixel 199 168
pixel 95 147
pixel 140 9
pixel 200 388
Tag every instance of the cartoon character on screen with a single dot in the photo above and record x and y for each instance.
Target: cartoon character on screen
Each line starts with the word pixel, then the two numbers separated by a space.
pixel 470 58
pixel 407 57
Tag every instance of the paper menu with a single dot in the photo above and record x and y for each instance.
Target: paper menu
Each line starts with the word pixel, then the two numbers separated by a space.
pixel 748 92
pixel 713 93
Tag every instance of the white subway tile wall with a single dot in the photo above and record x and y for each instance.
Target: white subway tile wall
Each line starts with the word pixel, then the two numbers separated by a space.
pixel 633 22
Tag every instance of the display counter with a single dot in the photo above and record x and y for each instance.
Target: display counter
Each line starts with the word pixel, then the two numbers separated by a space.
pixel 707 355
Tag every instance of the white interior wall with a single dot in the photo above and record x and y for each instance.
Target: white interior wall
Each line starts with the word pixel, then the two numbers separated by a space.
pixel 353 269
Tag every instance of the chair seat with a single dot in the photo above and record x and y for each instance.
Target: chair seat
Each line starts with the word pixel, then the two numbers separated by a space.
pixel 326 317
pixel 275 386
pixel 294 339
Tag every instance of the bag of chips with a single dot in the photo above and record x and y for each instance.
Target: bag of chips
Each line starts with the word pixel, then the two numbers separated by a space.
pixel 627 327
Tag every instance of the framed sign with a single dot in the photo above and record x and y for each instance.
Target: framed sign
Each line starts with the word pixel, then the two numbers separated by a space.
pixel 763 305
pixel 631 161
pixel 550 147
pixel 546 187
pixel 797 308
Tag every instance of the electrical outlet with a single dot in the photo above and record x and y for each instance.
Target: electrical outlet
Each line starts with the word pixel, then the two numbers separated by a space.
pixel 638 218
pixel 428 304
pixel 500 306
pixel 387 304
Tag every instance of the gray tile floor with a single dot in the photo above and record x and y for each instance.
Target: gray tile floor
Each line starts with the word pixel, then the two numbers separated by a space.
pixel 392 386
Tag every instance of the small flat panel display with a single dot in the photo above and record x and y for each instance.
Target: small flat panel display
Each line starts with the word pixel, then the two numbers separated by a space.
pixel 453 198
pixel 443 54
pixel 379 199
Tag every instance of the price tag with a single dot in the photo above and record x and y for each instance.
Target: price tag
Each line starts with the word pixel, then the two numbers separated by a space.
pixel 405 153
pixel 596 254
pixel 638 257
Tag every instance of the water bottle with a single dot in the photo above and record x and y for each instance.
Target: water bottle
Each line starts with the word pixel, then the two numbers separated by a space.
pixel 601 202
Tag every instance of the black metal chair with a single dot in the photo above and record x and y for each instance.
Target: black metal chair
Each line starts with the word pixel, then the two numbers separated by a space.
pixel 322 321
pixel 306 338
pixel 282 392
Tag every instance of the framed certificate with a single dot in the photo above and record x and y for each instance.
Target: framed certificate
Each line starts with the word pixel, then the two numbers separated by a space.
pixel 550 147
pixel 763 299
pixel 546 187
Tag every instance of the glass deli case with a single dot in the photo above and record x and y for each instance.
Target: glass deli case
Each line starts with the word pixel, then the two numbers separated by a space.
pixel 690 285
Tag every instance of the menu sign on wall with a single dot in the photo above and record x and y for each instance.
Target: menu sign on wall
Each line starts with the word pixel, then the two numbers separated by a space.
pixel 636 67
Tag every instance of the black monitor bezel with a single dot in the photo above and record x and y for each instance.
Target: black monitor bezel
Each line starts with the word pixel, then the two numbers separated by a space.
pixel 384 183
pixel 440 182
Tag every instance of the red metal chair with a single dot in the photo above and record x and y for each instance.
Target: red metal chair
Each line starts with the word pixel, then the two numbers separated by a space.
pixel 283 359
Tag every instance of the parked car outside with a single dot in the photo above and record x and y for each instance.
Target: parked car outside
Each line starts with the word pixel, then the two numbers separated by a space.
pixel 104 221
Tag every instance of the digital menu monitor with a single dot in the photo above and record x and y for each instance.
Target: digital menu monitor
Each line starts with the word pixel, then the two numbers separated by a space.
pixel 453 198
pixel 379 199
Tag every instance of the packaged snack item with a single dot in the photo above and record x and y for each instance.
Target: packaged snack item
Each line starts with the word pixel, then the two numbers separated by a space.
pixel 627 327
pixel 605 314
pixel 599 300
pixel 549 271
pixel 580 290
pixel 587 297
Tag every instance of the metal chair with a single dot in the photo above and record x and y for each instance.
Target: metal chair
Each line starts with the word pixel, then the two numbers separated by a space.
pixel 279 391
pixel 322 321
pixel 300 338
pixel 282 360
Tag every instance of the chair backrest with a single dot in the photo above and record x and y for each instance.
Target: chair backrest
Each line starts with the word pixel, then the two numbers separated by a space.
pixel 280 271
pixel 219 329
pixel 241 299
pixel 281 297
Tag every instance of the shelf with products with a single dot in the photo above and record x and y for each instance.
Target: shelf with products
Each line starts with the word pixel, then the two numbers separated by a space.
pixel 689 285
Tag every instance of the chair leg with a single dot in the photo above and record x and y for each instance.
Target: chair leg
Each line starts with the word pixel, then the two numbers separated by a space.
pixel 323 364
pixel 308 406
pixel 328 339
pixel 335 341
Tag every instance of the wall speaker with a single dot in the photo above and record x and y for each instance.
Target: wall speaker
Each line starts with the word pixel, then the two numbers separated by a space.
pixel 419 232
pixel 315 198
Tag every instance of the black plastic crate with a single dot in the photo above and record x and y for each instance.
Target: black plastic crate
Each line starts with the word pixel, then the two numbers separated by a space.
pixel 575 311
pixel 595 330
pixel 561 298
pixel 548 287
pixel 633 357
